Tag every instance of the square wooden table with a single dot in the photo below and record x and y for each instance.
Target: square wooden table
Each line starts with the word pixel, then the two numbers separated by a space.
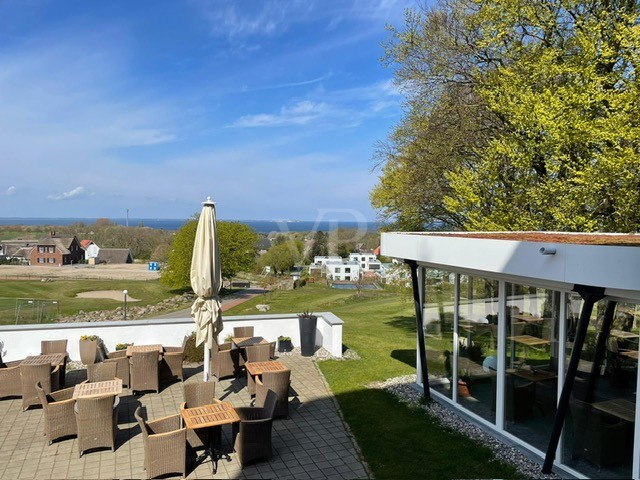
pixel 143 348
pixel 52 358
pixel 258 368
pixel 210 416
pixel 529 340
pixel 97 389
pixel 622 334
pixel 630 353
pixel 618 407
pixel 532 375
pixel 242 342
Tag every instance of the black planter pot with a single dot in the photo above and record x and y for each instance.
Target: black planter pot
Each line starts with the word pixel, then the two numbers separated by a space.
pixel 285 346
pixel 308 334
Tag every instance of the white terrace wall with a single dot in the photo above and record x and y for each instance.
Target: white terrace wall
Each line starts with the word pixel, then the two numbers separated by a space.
pixel 18 341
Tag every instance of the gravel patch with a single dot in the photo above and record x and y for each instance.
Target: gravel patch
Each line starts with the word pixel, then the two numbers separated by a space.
pixel 403 389
pixel 323 354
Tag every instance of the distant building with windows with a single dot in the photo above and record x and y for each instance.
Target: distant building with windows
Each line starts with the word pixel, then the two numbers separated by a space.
pixel 343 271
pixel 57 251
pixel 367 261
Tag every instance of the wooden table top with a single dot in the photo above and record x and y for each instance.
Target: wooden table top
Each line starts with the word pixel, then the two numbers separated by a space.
pixel 623 334
pixel 248 341
pixel 532 375
pixel 529 340
pixel 258 368
pixel 209 415
pixel 528 318
pixel 630 353
pixel 52 358
pixel 97 389
pixel 143 348
pixel 618 407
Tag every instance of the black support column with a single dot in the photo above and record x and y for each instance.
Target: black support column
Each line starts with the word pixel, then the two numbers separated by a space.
pixel 418 297
pixel 590 295
pixel 601 348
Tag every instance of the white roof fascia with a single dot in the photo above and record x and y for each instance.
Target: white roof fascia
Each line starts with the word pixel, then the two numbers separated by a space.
pixel 611 267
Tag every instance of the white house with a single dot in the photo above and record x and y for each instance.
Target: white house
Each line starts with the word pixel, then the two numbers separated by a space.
pixel 536 340
pixel 343 271
pixel 91 251
pixel 367 261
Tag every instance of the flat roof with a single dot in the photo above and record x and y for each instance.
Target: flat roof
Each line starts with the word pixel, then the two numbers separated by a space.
pixel 557 259
pixel 620 239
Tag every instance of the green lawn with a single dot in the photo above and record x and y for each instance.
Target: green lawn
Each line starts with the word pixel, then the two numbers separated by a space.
pixel 397 441
pixel 64 292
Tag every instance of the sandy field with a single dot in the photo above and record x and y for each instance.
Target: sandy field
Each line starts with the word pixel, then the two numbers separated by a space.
pixel 110 294
pixel 127 271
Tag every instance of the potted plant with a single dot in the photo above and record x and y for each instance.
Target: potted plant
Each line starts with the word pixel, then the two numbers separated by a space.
pixel 123 346
pixel 464 384
pixel 89 351
pixel 308 322
pixel 284 344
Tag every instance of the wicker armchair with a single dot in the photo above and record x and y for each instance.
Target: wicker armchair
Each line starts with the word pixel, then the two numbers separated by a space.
pixel 56 346
pixel 279 382
pixel 102 371
pixel 272 349
pixel 10 383
pixel 226 362
pixel 243 331
pixel 59 420
pixel 145 371
pixel 97 422
pixel 597 437
pixel 197 394
pixel 256 353
pixel 32 374
pixel 253 434
pixel 120 358
pixel 165 445
pixel 171 364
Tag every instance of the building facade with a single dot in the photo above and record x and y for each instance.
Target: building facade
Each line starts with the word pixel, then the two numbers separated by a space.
pixel 57 251
pixel 535 337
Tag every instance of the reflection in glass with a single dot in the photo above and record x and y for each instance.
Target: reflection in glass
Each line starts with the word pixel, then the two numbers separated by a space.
pixel 477 348
pixel 531 362
pixel 598 434
pixel 438 328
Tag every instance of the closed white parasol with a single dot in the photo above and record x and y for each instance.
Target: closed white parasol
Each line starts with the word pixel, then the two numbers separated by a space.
pixel 206 281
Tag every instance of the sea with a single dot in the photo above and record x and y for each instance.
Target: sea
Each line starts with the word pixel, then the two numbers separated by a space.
pixel 260 226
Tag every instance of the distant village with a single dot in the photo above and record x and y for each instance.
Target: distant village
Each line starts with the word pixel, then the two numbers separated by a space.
pixel 57 251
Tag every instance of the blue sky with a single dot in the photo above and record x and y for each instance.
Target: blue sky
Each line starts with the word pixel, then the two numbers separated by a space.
pixel 273 108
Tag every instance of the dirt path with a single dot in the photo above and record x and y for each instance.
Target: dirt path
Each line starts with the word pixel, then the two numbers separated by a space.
pixel 227 302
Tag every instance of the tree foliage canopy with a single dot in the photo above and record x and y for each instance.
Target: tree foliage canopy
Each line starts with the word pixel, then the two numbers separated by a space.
pixel 237 243
pixel 283 256
pixel 520 116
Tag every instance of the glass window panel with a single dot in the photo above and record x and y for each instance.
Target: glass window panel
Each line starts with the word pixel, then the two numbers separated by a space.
pixel 438 328
pixel 599 428
pixel 531 387
pixel 477 349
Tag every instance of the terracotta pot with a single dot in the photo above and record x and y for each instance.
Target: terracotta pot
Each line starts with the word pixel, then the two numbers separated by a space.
pixel 88 351
pixel 463 389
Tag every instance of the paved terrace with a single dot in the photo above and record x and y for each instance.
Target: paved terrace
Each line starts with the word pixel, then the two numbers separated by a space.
pixel 314 442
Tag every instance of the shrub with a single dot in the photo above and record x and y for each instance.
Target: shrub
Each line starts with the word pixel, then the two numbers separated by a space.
pixel 191 352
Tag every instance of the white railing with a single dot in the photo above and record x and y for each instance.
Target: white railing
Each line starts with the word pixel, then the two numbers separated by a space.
pixel 18 341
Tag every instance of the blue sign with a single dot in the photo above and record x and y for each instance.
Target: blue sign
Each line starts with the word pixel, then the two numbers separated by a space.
pixel 154 266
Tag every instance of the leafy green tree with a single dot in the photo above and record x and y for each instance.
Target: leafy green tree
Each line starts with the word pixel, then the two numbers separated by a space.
pixel 320 245
pixel 237 243
pixel 177 272
pixel 521 115
pixel 237 251
pixel 283 256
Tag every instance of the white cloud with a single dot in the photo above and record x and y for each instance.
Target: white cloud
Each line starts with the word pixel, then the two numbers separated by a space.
pixel 10 191
pixel 75 193
pixel 234 19
pixel 301 113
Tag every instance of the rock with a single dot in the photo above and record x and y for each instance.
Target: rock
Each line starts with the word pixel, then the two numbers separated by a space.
pixel 263 308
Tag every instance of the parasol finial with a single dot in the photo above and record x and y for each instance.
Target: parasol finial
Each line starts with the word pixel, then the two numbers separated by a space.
pixel 208 202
